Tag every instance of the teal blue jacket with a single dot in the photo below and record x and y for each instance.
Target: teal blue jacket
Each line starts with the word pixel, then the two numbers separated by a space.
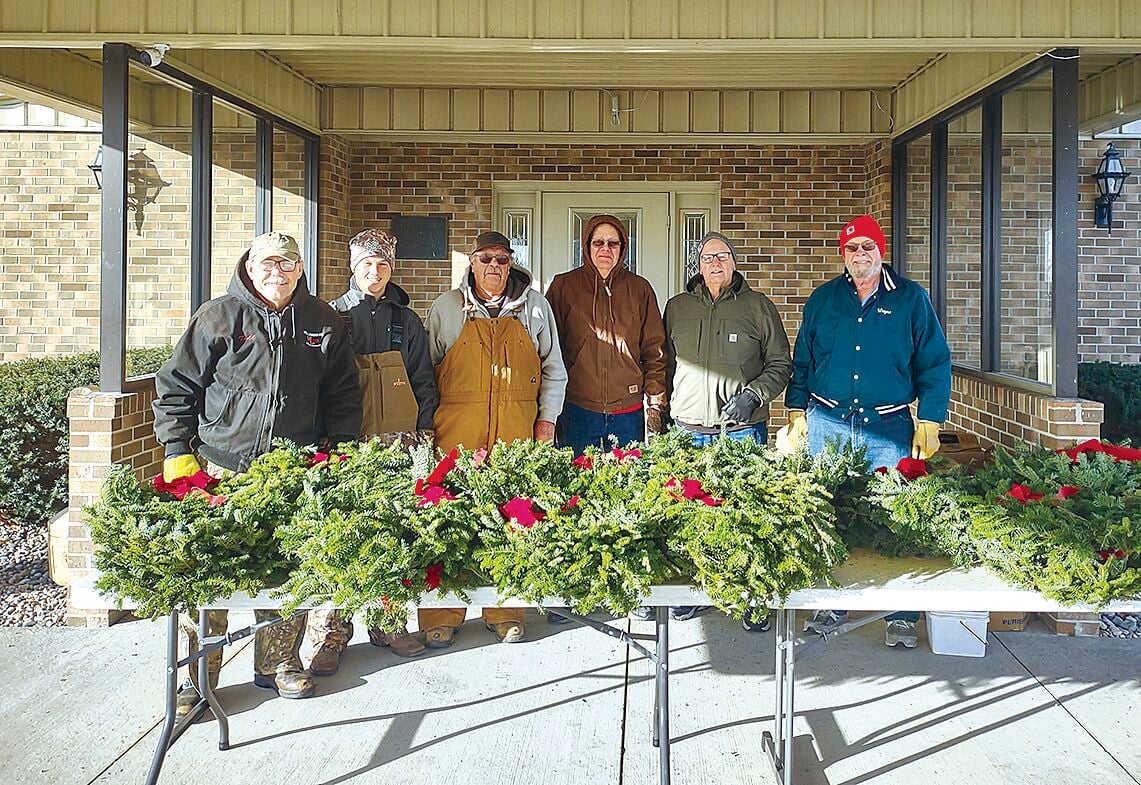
pixel 872 359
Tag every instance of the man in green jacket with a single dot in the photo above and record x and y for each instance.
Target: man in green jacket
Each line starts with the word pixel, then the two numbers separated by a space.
pixel 727 350
pixel 727 355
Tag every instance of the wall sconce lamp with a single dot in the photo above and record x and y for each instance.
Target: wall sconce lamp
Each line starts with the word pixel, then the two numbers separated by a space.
pixel 1110 177
pixel 143 182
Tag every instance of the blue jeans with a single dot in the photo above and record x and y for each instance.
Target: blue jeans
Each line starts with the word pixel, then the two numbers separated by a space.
pixel 580 428
pixel 884 441
pixel 760 432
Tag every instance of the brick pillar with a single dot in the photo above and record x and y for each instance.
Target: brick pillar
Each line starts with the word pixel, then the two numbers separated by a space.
pixel 104 428
pixel 1008 416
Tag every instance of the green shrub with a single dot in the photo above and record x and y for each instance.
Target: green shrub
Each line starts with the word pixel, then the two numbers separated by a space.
pixel 33 427
pixel 1119 388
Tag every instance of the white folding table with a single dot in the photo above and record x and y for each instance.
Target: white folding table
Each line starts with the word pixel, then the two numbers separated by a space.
pixel 866 582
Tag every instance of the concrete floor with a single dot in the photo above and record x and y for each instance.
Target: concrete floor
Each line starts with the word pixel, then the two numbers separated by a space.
pixel 569 706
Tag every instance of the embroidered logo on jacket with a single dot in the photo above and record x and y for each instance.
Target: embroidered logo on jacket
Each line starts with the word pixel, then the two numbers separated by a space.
pixel 319 340
pixel 884 311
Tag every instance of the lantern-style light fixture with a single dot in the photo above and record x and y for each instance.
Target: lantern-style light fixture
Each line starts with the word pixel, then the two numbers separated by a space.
pixel 144 183
pixel 1110 177
pixel 96 167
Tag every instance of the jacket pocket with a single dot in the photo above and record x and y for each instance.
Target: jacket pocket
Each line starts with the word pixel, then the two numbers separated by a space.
pixel 236 422
pixel 686 338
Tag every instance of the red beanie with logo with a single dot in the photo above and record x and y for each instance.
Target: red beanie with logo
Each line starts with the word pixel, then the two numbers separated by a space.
pixel 864 226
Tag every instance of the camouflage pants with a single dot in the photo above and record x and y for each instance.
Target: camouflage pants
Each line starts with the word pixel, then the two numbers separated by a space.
pixel 327 626
pixel 276 648
pixel 215 625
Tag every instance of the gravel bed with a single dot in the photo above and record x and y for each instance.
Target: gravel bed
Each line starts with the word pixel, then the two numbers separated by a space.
pixel 1120 625
pixel 28 598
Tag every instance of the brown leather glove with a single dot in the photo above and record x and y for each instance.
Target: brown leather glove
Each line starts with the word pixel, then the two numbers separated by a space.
pixel 655 420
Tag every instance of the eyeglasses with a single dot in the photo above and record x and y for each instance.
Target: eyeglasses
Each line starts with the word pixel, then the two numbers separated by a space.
pixel 866 245
pixel 600 243
pixel 721 256
pixel 489 259
pixel 286 265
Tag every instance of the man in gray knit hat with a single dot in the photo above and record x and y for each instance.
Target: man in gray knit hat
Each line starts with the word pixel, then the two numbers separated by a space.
pixel 727 354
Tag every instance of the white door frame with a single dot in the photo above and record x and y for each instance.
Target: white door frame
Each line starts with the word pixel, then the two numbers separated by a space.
pixel 686 197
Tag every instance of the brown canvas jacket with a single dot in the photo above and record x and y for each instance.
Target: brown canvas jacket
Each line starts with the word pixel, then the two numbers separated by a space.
pixel 611 331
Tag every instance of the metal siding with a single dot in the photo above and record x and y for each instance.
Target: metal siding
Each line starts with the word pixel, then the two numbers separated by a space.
pixel 585 114
pixel 766 111
pixel 706 111
pixel 525 110
pixel 465 110
pixel 825 109
pixel 675 111
pixel 735 111
pixel 647 117
pixel 796 111
pixel 436 110
pixel 496 110
pixel 556 110
pixel 749 18
pixel 376 105
pixel 406 110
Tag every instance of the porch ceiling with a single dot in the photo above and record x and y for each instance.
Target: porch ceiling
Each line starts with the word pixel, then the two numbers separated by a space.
pixel 631 70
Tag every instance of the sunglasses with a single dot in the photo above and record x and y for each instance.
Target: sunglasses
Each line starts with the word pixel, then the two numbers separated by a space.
pixel 489 259
pixel 866 245
pixel 605 243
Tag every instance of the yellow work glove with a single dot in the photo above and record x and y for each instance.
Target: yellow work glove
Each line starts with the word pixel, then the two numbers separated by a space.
pixel 179 466
pixel 797 429
pixel 925 442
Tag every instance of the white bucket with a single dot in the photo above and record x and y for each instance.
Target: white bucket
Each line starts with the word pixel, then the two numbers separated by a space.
pixel 959 633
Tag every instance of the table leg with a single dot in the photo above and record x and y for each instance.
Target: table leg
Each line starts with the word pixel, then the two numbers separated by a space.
pixel 789 693
pixel 171 698
pixel 207 689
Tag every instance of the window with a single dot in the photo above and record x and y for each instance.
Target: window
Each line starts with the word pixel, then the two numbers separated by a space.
pixel 983 184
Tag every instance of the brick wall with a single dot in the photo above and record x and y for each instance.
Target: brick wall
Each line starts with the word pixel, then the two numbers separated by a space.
pixel 49 235
pixel 105 428
pixel 782 205
pixel 1109 283
pixel 334 215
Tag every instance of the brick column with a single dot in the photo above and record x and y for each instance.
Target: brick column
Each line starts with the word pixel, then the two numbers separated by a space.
pixel 104 428
pixel 1008 416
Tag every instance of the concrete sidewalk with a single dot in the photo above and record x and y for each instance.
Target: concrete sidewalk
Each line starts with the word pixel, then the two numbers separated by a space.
pixel 569 706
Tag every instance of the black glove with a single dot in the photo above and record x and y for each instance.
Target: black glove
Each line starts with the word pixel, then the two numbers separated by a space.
pixel 741 406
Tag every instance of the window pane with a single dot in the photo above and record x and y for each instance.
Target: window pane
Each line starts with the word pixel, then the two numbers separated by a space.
pixel 1025 260
pixel 158 218
pixel 289 185
pixel 964 239
pixel 234 192
pixel 918 241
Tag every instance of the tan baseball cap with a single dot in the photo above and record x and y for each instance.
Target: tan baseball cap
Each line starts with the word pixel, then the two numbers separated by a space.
pixel 274 244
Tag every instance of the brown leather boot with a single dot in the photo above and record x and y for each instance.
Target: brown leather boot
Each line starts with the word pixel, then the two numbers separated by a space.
pixel 327 657
pixel 400 642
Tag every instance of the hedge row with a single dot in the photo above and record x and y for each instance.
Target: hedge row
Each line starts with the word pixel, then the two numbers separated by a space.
pixel 1119 388
pixel 33 427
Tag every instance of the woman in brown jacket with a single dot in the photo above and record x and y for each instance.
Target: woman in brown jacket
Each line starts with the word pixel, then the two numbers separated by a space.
pixel 613 343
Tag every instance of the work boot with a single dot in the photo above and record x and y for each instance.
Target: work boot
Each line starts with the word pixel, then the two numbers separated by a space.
pixel 901 631
pixel 327 657
pixel 508 631
pixel 401 642
pixel 825 622
pixel 277 660
pixel 439 637
pixel 686 612
pixel 189 694
pixel 643 613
